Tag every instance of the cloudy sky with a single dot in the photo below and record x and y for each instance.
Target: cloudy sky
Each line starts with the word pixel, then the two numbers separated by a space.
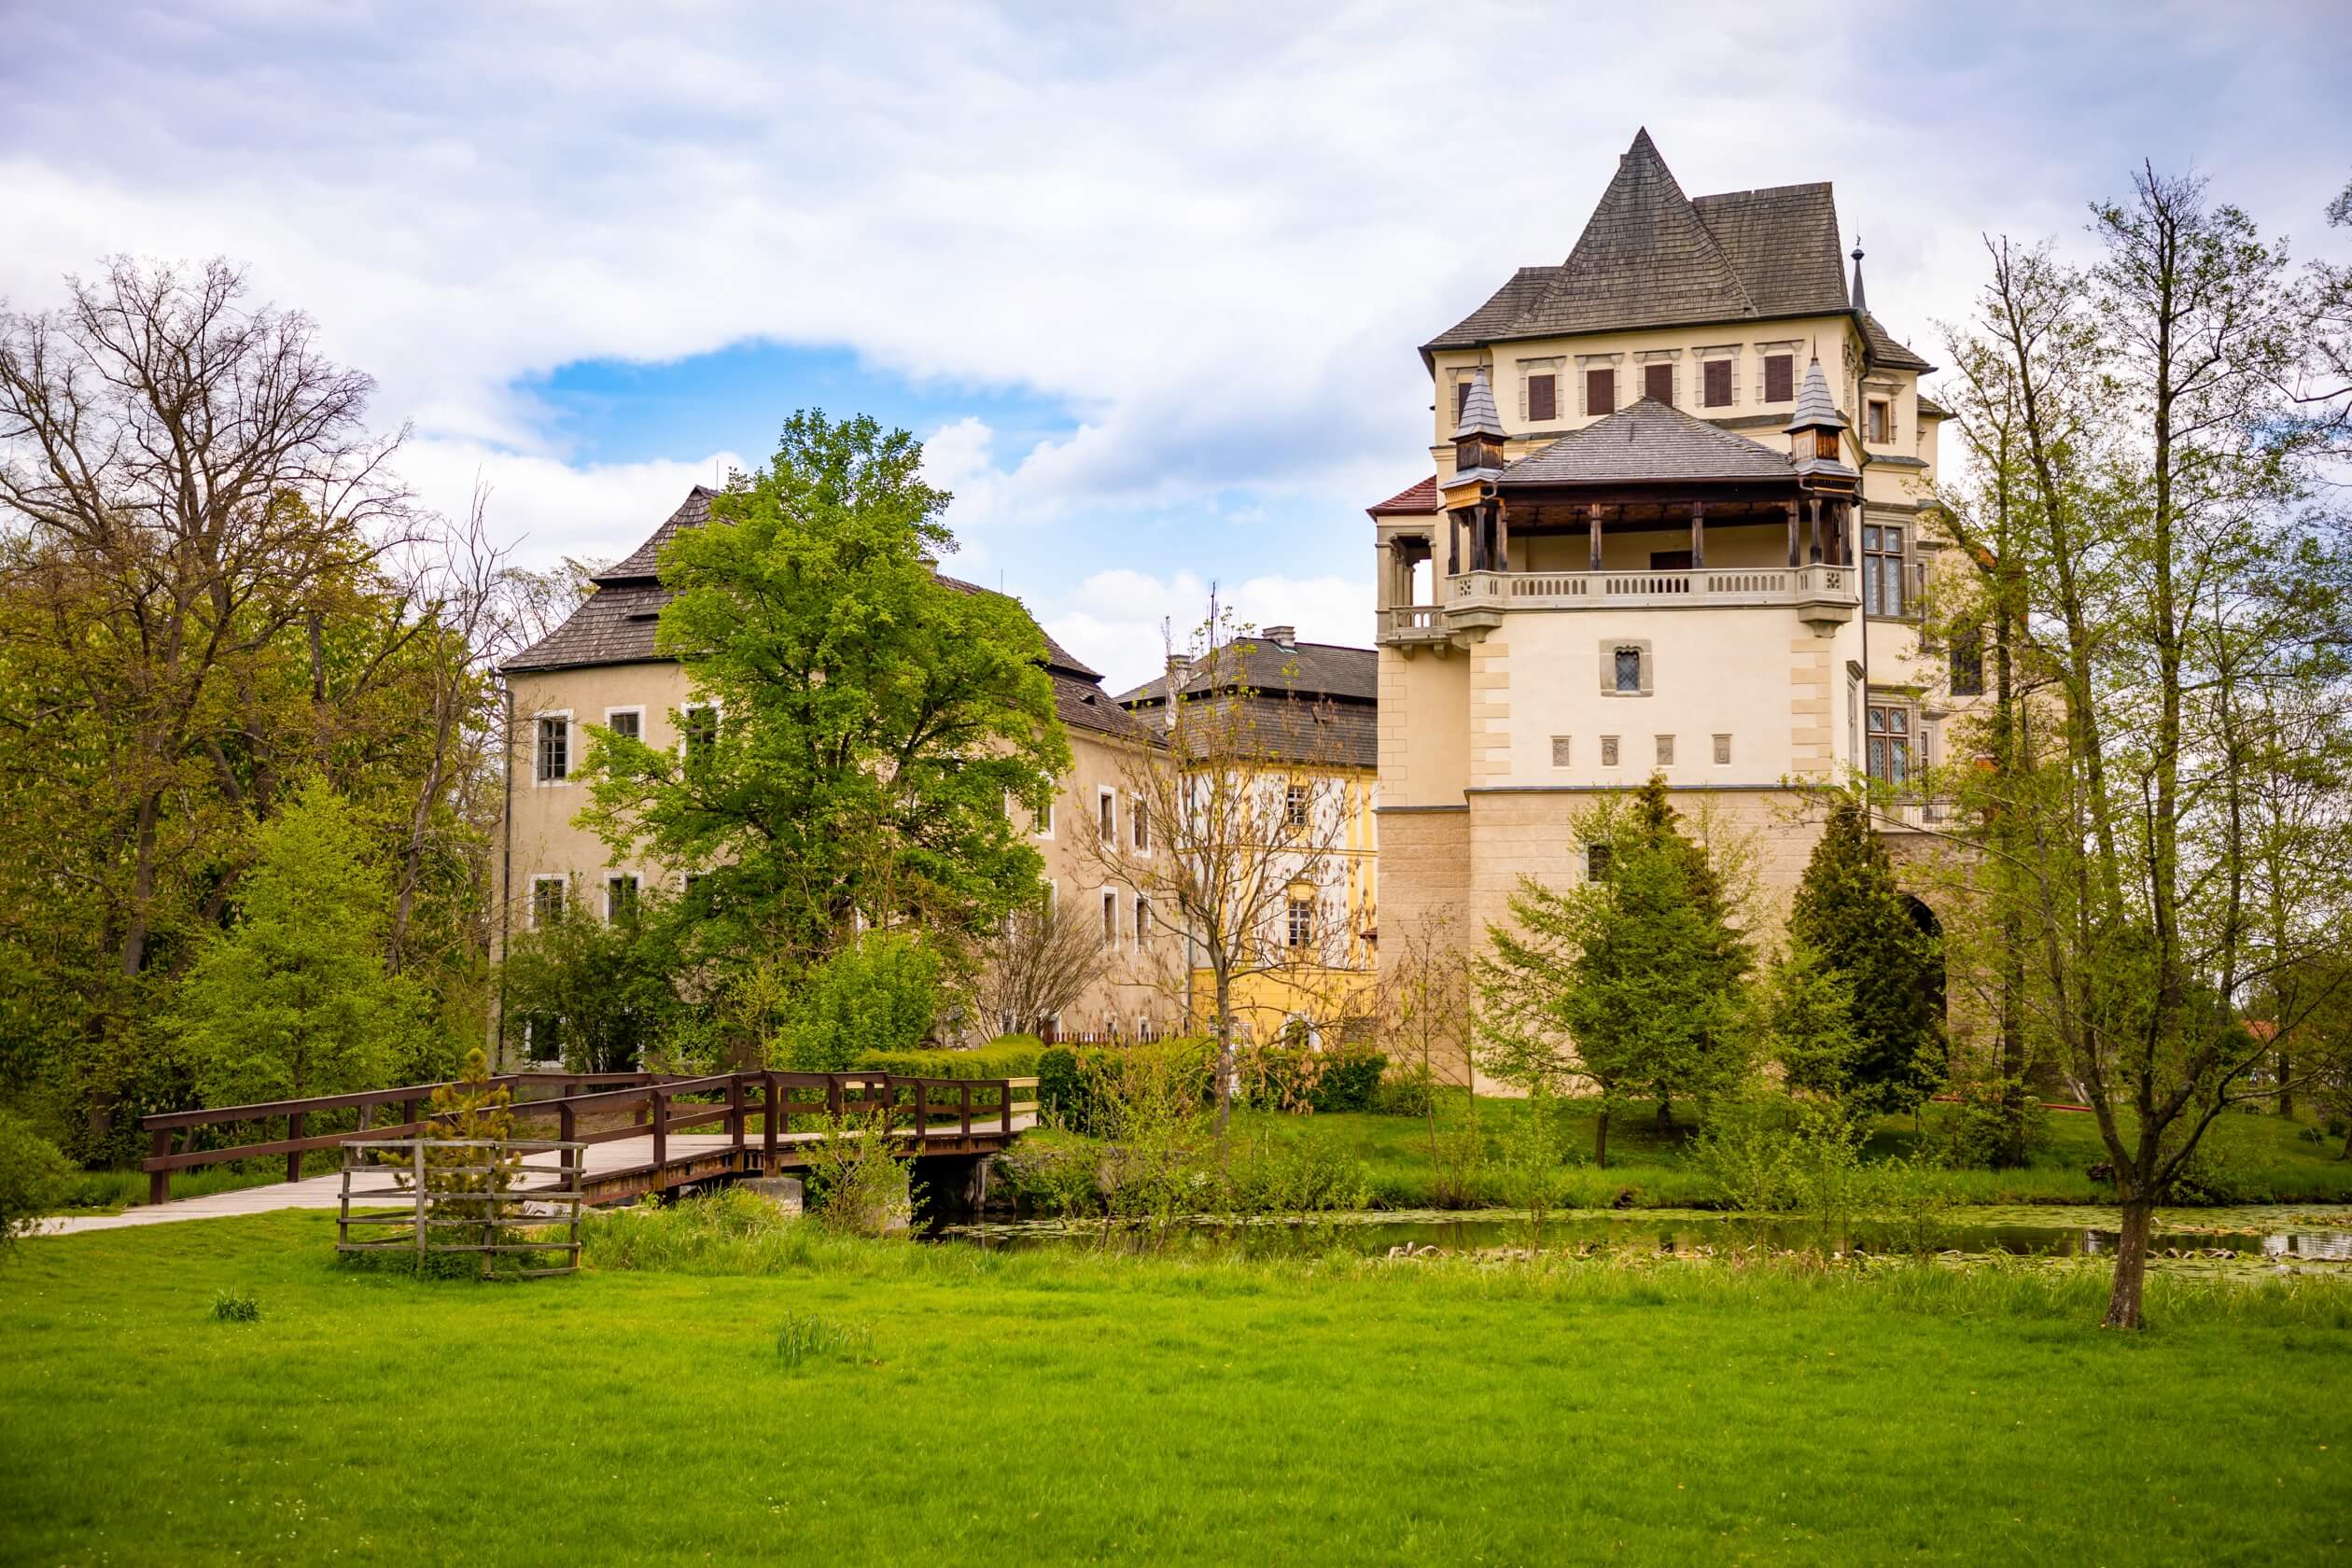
pixel 1147 280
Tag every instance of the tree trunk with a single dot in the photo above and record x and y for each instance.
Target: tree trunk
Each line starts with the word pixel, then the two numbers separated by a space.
pixel 1225 1052
pixel 2286 1084
pixel 1601 1139
pixel 2131 1262
pixel 1665 1111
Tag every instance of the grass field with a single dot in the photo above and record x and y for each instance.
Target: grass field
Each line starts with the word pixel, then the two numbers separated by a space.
pixel 2266 1159
pixel 794 1397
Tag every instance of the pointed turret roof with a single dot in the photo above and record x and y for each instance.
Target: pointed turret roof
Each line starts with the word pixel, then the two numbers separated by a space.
pixel 1816 409
pixel 1650 256
pixel 1855 292
pixel 1480 416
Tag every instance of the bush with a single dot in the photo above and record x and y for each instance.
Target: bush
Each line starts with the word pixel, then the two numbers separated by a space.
pixel 1013 1056
pixel 2205 1180
pixel 1079 1085
pixel 1975 1131
pixel 876 996
pixel 1410 1093
pixel 32 1176
pixel 1301 1080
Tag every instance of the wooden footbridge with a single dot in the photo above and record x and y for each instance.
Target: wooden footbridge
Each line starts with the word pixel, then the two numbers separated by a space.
pixel 638 1132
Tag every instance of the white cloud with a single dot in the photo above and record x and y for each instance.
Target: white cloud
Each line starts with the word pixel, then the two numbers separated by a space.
pixel 1125 621
pixel 550 510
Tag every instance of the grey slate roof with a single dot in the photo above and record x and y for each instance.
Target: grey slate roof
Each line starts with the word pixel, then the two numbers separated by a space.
pixel 1930 409
pixel 643 564
pixel 1480 416
pixel 1651 257
pixel 1884 350
pixel 614 625
pixel 1083 704
pixel 1647 441
pixel 1313 669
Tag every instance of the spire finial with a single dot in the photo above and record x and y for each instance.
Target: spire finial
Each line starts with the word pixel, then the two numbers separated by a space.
pixel 1859 304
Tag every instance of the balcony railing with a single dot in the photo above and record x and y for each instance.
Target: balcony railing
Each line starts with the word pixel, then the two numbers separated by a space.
pixel 1668 590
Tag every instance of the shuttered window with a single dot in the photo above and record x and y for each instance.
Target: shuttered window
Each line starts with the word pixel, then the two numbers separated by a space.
pixel 1718 382
pixel 1657 384
pixel 1543 397
pixel 1780 379
pixel 1601 390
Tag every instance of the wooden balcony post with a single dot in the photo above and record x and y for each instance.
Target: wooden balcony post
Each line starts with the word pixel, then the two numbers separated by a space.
pixel 1594 521
pixel 1698 536
pixel 1502 539
pixel 1795 551
pixel 1814 507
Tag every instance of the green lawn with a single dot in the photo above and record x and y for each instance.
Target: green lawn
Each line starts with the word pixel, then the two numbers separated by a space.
pixel 1055 1407
pixel 2266 1159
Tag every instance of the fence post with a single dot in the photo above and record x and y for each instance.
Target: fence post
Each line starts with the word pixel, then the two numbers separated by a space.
pixel 832 1095
pixel 963 1109
pixel 770 1116
pixel 1004 1104
pixel 566 1122
pixel 922 1112
pixel 159 1182
pixel 735 1109
pixel 660 1125
pixel 294 1160
pixel 418 1146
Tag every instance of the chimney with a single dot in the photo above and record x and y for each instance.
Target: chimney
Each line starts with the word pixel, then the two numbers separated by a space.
pixel 1282 636
pixel 1179 668
pixel 929 562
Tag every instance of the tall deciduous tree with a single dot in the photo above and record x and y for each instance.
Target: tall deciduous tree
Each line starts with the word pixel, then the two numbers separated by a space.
pixel 1249 812
pixel 867 722
pixel 1854 921
pixel 293 999
pixel 2168 572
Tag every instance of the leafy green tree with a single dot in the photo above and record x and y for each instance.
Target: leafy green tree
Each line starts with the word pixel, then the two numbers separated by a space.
pixel 878 719
pixel 1634 978
pixel 880 994
pixel 1808 1018
pixel 293 999
pixel 1850 916
pixel 599 993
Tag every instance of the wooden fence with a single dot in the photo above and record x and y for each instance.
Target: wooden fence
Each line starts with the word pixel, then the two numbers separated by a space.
pixel 442 1219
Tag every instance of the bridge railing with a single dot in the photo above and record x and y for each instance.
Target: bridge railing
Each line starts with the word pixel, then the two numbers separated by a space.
pixel 606 1107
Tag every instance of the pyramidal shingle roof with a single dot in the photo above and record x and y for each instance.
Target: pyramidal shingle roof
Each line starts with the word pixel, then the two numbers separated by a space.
pixel 1480 416
pixel 1647 441
pixel 1814 408
pixel 1652 257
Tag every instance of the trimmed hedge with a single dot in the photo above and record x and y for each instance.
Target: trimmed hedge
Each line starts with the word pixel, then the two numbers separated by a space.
pixel 1070 1078
pixel 1293 1078
pixel 1012 1055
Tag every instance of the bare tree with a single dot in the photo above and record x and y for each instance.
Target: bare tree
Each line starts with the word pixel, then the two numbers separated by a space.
pixel 1040 965
pixel 185 476
pixel 1248 810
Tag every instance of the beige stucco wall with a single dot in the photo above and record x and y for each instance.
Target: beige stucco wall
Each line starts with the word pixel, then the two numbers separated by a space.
pixel 1143 976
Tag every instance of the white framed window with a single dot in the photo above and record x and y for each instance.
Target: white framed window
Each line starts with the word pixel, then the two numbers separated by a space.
pixel 1723 750
pixel 1110 919
pixel 1608 750
pixel 1893 730
pixel 1053 896
pixel 552 748
pixel 621 895
pixel 1139 823
pixel 1596 860
pixel 698 734
pixel 547 900
pixel 1883 570
pixel 1106 815
pixel 628 722
pixel 1665 750
pixel 1042 824
pixel 1295 807
pixel 1564 752
pixel 1299 922
pixel 1142 920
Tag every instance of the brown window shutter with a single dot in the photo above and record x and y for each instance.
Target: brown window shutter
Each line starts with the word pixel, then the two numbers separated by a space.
pixel 1543 398
pixel 1657 384
pixel 1601 391
pixel 1718 382
pixel 1780 379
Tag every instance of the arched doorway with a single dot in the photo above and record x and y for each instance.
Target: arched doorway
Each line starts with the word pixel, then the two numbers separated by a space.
pixel 1923 918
